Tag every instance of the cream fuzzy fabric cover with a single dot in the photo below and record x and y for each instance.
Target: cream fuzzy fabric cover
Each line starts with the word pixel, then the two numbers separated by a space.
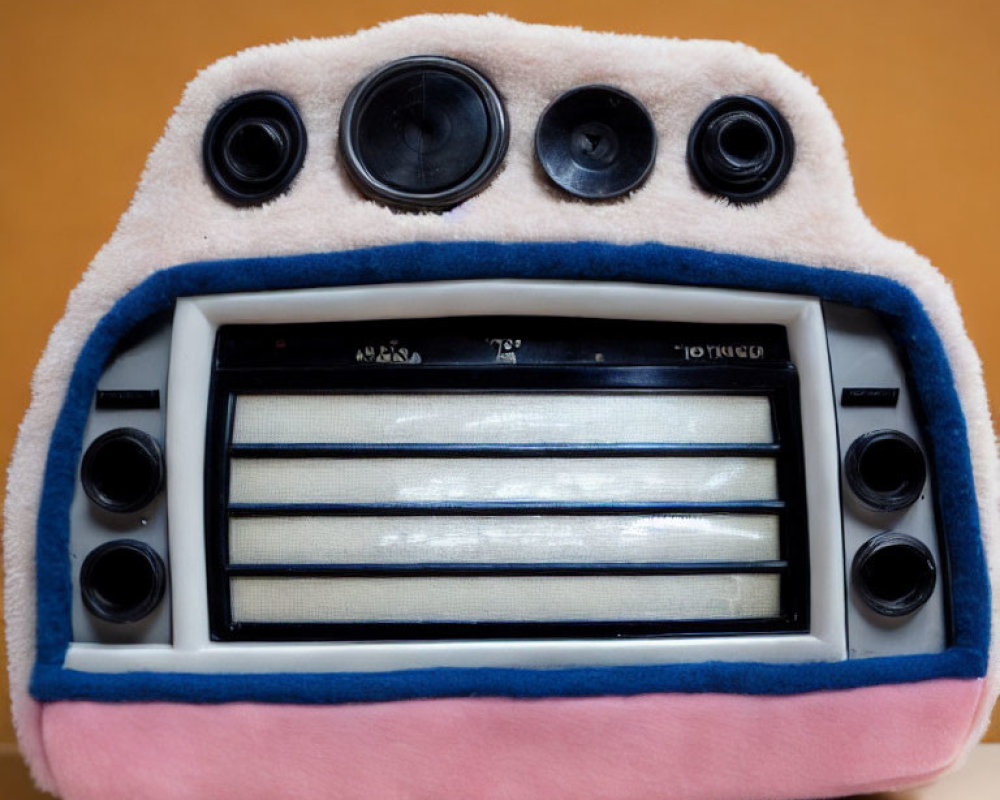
pixel 176 217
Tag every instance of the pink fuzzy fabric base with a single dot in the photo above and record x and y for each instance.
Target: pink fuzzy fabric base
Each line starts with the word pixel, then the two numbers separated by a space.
pixel 696 747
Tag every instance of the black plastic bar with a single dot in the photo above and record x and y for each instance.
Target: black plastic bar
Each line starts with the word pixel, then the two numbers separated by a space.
pixel 514 507
pixel 127 399
pixel 435 450
pixel 559 629
pixel 869 397
pixel 447 569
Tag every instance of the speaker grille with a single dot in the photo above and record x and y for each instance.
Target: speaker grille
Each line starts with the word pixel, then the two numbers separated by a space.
pixel 595 479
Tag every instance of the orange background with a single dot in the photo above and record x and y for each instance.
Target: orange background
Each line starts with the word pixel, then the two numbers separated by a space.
pixel 87 88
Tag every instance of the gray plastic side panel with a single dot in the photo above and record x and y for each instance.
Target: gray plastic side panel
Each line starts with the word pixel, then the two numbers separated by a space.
pixel 862 354
pixel 142 366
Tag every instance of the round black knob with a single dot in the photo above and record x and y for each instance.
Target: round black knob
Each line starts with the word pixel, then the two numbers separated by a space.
pixel 254 146
pixel 122 581
pixel 740 147
pixel 596 142
pixel 894 574
pixel 885 469
pixel 425 132
pixel 122 470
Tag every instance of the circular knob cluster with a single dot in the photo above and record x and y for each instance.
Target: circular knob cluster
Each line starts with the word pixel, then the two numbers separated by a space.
pixel 254 146
pixel 425 133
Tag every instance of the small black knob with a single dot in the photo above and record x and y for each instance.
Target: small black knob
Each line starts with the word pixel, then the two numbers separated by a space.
pixel 425 132
pixel 122 581
pixel 741 148
pixel 894 574
pixel 122 470
pixel 254 146
pixel 596 142
pixel 885 469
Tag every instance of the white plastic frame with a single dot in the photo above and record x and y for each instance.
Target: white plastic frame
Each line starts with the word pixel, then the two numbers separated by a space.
pixel 195 323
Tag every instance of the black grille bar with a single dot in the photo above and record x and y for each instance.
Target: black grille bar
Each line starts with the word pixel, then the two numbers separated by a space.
pixel 513 507
pixel 315 450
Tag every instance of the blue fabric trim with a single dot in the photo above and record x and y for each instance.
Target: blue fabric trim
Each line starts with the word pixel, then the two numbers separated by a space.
pixel 649 263
pixel 54 683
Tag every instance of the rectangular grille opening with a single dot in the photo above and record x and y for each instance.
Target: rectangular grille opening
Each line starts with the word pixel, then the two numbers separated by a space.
pixel 598 478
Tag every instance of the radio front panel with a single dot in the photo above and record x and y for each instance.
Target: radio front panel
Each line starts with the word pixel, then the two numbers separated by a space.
pixel 504 477
pixel 419 491
pixel 602 478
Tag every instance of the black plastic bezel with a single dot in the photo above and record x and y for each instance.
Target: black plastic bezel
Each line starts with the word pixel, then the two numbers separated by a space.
pixel 544 157
pixel 297 359
pixel 897 499
pixel 91 595
pixel 267 105
pixel 916 597
pixel 148 447
pixel 760 186
pixel 373 188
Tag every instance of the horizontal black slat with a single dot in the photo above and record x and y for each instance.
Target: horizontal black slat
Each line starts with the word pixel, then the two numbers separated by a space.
pixel 448 569
pixel 469 509
pixel 560 629
pixel 438 450
pixel 708 379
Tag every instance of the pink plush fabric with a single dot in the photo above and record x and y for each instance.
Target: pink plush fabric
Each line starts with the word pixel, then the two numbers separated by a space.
pixel 696 747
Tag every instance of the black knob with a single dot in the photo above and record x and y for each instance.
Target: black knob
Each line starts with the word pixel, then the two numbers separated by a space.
pixel 425 132
pixel 596 142
pixel 885 469
pixel 740 147
pixel 122 581
pixel 254 146
pixel 122 470
pixel 894 574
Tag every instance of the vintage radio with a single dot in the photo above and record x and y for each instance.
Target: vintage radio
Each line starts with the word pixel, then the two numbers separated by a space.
pixel 453 426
